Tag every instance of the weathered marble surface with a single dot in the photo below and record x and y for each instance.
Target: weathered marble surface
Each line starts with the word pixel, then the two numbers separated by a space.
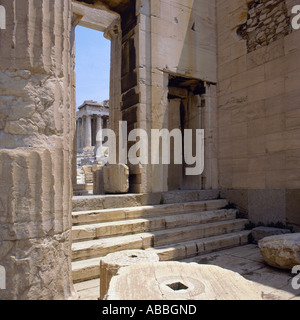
pixel 281 251
pixel 177 280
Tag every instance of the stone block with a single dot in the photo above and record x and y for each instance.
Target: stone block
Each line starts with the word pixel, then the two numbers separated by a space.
pixel 267 205
pixel 98 183
pixel 110 265
pixel 281 251
pixel 87 169
pixel 116 178
pixel 292 208
pixel 262 232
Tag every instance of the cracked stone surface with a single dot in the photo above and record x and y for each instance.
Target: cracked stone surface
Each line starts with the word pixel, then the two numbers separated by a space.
pixel 281 251
pixel 174 280
pixel 274 284
pixel 110 265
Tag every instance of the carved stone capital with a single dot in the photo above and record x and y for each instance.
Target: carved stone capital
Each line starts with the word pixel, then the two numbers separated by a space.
pixel 113 30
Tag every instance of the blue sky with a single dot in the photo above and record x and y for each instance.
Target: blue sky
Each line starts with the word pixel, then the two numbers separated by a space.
pixel 92 65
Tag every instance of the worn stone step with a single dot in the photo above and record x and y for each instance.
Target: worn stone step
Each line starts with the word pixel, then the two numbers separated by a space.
pixel 84 270
pixel 101 247
pixel 196 247
pixel 117 214
pixel 125 227
pixel 165 237
pixel 87 203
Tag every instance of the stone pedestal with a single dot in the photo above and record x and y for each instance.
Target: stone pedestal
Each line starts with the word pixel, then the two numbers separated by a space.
pixel 110 265
pixel 180 281
pixel 116 178
pixel 259 233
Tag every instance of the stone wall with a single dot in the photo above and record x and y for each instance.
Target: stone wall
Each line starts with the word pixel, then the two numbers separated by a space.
pixel 258 76
pixel 184 38
pixel 173 38
pixel 153 40
pixel 267 21
pixel 37 126
pixel 258 109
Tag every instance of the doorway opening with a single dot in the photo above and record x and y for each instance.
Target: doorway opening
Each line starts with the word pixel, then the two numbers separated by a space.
pixel 92 73
pixel 184 112
pixel 92 65
pixel 92 69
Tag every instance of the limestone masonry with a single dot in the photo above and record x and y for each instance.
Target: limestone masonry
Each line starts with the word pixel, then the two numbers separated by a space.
pixel 267 21
pixel 230 67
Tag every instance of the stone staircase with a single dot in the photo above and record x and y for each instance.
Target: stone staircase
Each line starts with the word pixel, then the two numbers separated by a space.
pixel 177 225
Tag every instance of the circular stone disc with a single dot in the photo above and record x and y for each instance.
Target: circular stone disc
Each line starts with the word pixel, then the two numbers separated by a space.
pixel 183 281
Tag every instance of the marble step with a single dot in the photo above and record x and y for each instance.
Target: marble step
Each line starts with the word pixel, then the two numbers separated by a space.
pixel 93 202
pixel 117 214
pixel 101 247
pixel 88 269
pixel 131 226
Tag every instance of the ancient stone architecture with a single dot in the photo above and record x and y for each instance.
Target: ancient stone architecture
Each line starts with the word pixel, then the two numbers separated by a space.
pixel 180 281
pixel 37 133
pixel 91 118
pixel 115 178
pixel 258 109
pixel 110 265
pixel 267 21
pixel 259 233
pixel 229 67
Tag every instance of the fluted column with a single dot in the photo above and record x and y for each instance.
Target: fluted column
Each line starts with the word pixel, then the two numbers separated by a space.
pixel 98 149
pixel 78 129
pixel 37 128
pixel 99 131
pixel 81 132
pixel 82 138
pixel 114 34
pixel 88 131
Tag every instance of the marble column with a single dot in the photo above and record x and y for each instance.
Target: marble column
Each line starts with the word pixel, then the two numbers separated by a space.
pixel 82 136
pixel 114 34
pixel 81 133
pixel 78 128
pixel 80 124
pixel 98 149
pixel 99 131
pixel 74 22
pixel 88 131
pixel 37 129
